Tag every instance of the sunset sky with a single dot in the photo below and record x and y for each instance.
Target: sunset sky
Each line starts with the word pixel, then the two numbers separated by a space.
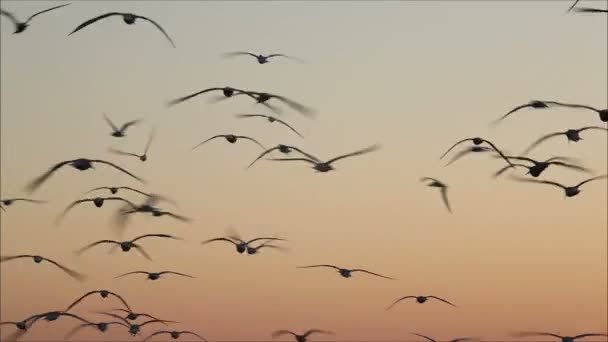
pixel 414 77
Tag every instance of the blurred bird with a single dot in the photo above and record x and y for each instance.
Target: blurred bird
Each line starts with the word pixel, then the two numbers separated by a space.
pixel 420 299
pixel 126 246
pixel 563 338
pixel 263 98
pixel 119 132
pixel 114 190
pixel 285 149
pixel 38 259
pixel 22 328
pixel 231 138
pixel 226 91
pixel 461 339
pixel 260 58
pixel 21 26
pixel 254 250
pixel 326 166
pixel 175 334
pixel 159 213
pixel 128 18
pixel 241 245
pixel 572 135
pixel 539 166
pixel 570 191
pixel 154 275
pixel 478 141
pixel 54 315
pixel 270 119
pixel 603 113
pixel 470 149
pixel 101 326
pixel 98 201
pixel 134 315
pixel 300 338
pixel 134 328
pixel 444 190
pixel 142 157
pixel 347 273
pixel 103 293
pixel 8 201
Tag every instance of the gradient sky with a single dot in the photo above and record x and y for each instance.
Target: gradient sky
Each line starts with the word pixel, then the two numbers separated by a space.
pixel 414 77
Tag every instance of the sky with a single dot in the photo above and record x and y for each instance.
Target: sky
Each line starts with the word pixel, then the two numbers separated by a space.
pixel 413 77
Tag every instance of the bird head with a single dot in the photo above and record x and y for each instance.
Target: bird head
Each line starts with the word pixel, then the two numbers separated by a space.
pixel 104 293
pixel 143 157
pixel 21 325
pixel 477 141
pixel 126 246
pixel 102 326
pixel 284 148
pixel 98 201
pixel 251 250
pixel 228 91
pixel 132 316
pixel 38 259
pixel 175 334
pixel 153 276
pixel 129 19
pixel 231 138
pixel 573 135
pixel 538 104
pixel 421 299
pixel 604 115
pixel 20 27
pixel 241 247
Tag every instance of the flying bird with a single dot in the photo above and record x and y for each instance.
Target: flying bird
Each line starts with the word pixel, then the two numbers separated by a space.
pixel 570 191
pixel 103 293
pixel 128 18
pixel 260 58
pixel 38 259
pixel 98 201
pixel 21 26
pixel 300 338
pixel 590 10
pixel 478 141
pixel 231 138
pixel 254 250
pixel 22 327
pixel 326 166
pixel 80 164
pixel 470 149
pixel 263 98
pixel 159 213
pixel 142 157
pixel 114 190
pixel 226 91
pixel 603 113
pixel 149 206
pixel 119 132
pixel 175 334
pixel 54 315
pixel 154 275
pixel 8 201
pixel 134 328
pixel 563 338
pixel 101 326
pixel 347 273
pixel 134 315
pixel 419 299
pixel 126 246
pixel 572 135
pixel 241 245
pixel 539 166
pixel 461 339
pixel 270 119
pixel 444 190
pixel 285 149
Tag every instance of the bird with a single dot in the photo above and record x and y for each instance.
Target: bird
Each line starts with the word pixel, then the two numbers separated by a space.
pixel 101 326
pixel 103 293
pixel 563 338
pixel 300 338
pixel 54 315
pixel 226 91
pixel 536 104
pixel 347 273
pixel 142 157
pixel 8 201
pixel 263 98
pixel 241 245
pixel 444 189
pixel 254 250
pixel 231 138
pixel 419 299
pixel 285 149
pixel 270 119
pixel 80 164
pixel 126 246
pixel 149 206
pixel 539 166
pixel 98 201
pixel 460 339
pixel 128 18
pixel 570 191
pixel 478 141
pixel 21 26
pixel 470 149
pixel 262 59
pixel 154 275
pixel 590 10
pixel 134 315
pixel 38 259
pixel 572 135
pixel 135 328
pixel 326 166
pixel 159 213
pixel 175 334
pixel 115 189
pixel 22 327
pixel 119 132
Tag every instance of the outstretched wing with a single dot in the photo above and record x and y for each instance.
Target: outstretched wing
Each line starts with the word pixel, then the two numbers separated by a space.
pixel 444 195
pixel 213 137
pixel 13 257
pixel 356 153
pixel 9 15
pixel 91 21
pixel 283 332
pixel 150 138
pixel 188 97
pixel 398 300
pixel 129 273
pixel 251 139
pixel 69 207
pixel 195 334
pixel 33 185
pixel 157 333
pixel 43 11
pixel 177 273
pixel 129 124
pixel 590 10
pixel 456 144
pixel 323 265
pixel 443 300
pixel 591 179
pixel 239 53
pixel 372 273
pixel 122 153
pixel 219 239
pixel 156 235
pixel 317 331
pixel 159 28
pixel 540 140
pixel 76 275
pixel 289 126
pixel 118 168
pixel 109 122
pixel 83 249
pixel 423 336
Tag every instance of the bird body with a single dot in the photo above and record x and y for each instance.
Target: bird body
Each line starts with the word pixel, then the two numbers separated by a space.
pixel 345 272
pixel 443 188
pixel 570 191
pixel 420 300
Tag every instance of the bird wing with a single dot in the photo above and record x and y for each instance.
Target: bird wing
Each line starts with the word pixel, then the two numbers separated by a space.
pixel 76 329
pixel 590 10
pixel 372 273
pixel 589 335
pixel 501 171
pixel 289 126
pixel 323 265
pixel 456 144
pixel 528 180
pixel 308 155
pixel 356 153
pixel 156 321
pixel 128 273
pixel 533 333
pixel 571 166
pixel 80 299
pixel 188 97
pixel 239 53
pixel 76 275
pixel 444 195
pixel 574 4
pixel 115 316
pixel 263 154
pixel 466 151
pixel 294 105
pixel 141 250
pixel 9 15
pixel 283 332
pixel 129 124
pixel 43 11
pixel 72 205
pixel 156 235
pixel 33 185
pixel 118 168
pixel 265 238
pixel 251 139
pixel 91 21
pixel 177 273
pixel 121 199
pixel 150 138
pixel 12 257
pixel 540 140
pixel 99 188
pixel 398 300
pixel 135 190
pixel 157 333
pixel 511 112
pixel 123 153
pixel 251 116
pixel 74 316
pixel 109 122
pixel 80 251
pixel 213 137
pixel 292 159
pixel 592 127
pixel 195 334
pixel 591 179
pixel 159 28
pixel 423 336
pixel 178 217
pixel 443 300
pixel 497 150
pixel 423 179
pixel 317 331
pixel 121 299
pixel 219 239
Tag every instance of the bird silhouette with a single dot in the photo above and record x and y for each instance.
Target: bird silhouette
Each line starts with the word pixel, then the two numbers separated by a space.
pixel 119 132
pixel 21 26
pixel 285 149
pixel 590 10
pixel 572 135
pixel 114 189
pixel 103 293
pixel 261 59
pixel 149 206
pixel 300 338
pixel 563 338
pixel 126 246
pixel 539 166
pixel 470 149
pixel 38 259
pixel 254 249
pixel 270 119
pixel 326 166
pixel 154 275
pixel 143 157
pixel 135 328
pixel 175 334
pixel 346 273
pixel 536 104
pixel 231 138
pixel 444 190
pixel 128 18
pixel 8 201
pixel 570 191
pixel 98 201
pixel 55 315
pixel 226 91
pixel 241 245
pixel 134 315
pixel 477 141
pixel 80 164
pixel 419 299
pixel 159 213
pixel 263 98
pixel 101 326
pixel 460 339
pixel 22 328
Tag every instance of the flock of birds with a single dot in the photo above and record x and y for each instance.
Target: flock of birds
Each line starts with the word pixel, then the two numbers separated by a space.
pixel 252 246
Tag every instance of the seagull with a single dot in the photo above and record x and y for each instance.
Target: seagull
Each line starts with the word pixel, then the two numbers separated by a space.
pixel 260 58
pixel 119 132
pixel 175 334
pixel 154 275
pixel 103 293
pixel 444 190
pixel 134 315
pixel 142 157
pixel 101 326
pixel 346 273
pixel 300 338
pixel 270 119
pixel 21 26
pixel 419 299
pixel 326 166
pixel 226 91
pixel 570 191
pixel 81 164
pixel 461 339
pixel 127 245
pixel 98 201
pixel 478 141
pixel 285 149
pixel 262 98
pixel 241 245
pixel 38 259
pixel 134 329
pixel 603 113
pixel 540 166
pixel 114 190
pixel 563 338
pixel 590 10
pixel 128 18
pixel 9 201
pixel 572 135
pixel 231 138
